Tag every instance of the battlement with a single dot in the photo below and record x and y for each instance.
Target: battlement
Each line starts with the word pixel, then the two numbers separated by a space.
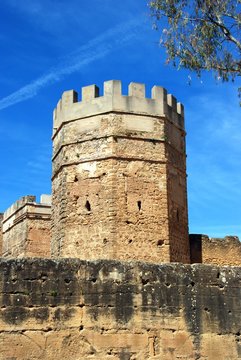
pixel 25 204
pixel 26 228
pixel 160 104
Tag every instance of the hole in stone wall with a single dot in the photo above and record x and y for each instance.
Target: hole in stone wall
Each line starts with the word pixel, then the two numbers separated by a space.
pixel 75 178
pixel 139 204
pixel 177 215
pixel 160 242
pixel 130 241
pixel 145 281
pixel 105 241
pixel 76 198
pixel 87 205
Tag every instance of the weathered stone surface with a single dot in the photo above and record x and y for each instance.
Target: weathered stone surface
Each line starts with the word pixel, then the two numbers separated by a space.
pixel 218 251
pixel 73 309
pixel 26 228
pixel 119 176
pixel 1 233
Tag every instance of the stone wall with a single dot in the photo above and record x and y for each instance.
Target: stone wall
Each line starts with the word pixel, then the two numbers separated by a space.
pixel 26 228
pixel 218 251
pixel 1 233
pixel 109 310
pixel 119 176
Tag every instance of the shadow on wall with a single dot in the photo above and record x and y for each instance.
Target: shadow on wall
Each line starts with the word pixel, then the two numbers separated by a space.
pixel 195 241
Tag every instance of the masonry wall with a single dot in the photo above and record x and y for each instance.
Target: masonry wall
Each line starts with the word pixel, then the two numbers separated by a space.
pixel 26 228
pixel 72 309
pixel 218 251
pixel 119 176
pixel 1 234
pixel 177 188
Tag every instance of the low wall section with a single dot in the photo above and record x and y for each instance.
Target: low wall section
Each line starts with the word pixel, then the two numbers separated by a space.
pixel 73 309
pixel 216 251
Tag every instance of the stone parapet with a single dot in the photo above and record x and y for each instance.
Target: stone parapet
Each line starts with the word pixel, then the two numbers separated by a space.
pixel 19 204
pixel 161 104
pixel 26 207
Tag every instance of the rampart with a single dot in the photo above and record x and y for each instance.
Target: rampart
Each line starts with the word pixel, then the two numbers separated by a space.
pixel 26 228
pixel 73 309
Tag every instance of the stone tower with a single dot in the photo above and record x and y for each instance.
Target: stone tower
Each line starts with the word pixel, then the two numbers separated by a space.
pixel 119 176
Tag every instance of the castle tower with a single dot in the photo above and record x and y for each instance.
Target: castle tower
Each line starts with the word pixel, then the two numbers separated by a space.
pixel 119 176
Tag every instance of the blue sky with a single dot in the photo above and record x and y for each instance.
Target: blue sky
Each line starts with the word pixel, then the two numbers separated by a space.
pixel 48 46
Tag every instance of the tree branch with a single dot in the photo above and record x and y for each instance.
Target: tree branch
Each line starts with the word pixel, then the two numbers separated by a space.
pixel 225 31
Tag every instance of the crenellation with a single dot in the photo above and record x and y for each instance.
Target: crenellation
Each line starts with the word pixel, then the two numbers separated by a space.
pixel 89 92
pixel 59 107
pixel 137 90
pixel 180 109
pixel 161 105
pixel 112 88
pixel 68 99
pixel 158 93
pixel 172 102
pixel 57 116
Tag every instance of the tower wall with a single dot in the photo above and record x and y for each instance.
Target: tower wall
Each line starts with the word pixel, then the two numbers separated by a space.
pixel 1 233
pixel 119 176
pixel 26 228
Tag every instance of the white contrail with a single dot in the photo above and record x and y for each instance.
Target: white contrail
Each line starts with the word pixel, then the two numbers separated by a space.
pixel 95 49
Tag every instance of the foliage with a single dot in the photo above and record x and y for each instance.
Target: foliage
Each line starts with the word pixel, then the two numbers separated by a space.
pixel 201 34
